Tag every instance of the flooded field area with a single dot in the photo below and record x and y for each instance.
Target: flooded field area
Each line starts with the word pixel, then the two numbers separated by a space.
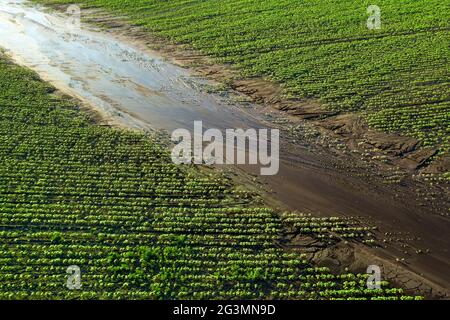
pixel 142 90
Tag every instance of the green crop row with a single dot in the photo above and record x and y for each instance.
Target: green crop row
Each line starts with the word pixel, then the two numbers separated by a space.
pixel 139 227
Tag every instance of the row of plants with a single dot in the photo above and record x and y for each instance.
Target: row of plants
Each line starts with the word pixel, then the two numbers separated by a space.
pixel 139 227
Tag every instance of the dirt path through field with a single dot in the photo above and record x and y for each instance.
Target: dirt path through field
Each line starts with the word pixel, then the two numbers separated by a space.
pixel 138 88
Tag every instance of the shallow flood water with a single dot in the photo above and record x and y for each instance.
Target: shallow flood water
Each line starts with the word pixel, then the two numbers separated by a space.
pixel 140 89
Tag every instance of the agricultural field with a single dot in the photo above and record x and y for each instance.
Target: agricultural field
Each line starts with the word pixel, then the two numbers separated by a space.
pixel 95 206
pixel 139 227
pixel 396 77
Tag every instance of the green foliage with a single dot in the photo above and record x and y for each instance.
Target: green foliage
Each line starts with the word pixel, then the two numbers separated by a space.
pixel 138 226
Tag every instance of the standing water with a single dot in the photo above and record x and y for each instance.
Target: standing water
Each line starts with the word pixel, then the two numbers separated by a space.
pixel 133 87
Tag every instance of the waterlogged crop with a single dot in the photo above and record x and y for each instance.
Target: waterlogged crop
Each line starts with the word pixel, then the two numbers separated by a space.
pixel 112 204
pixel 397 76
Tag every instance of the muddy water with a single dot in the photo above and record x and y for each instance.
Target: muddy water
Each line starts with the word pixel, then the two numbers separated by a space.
pixel 113 75
pixel 142 90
